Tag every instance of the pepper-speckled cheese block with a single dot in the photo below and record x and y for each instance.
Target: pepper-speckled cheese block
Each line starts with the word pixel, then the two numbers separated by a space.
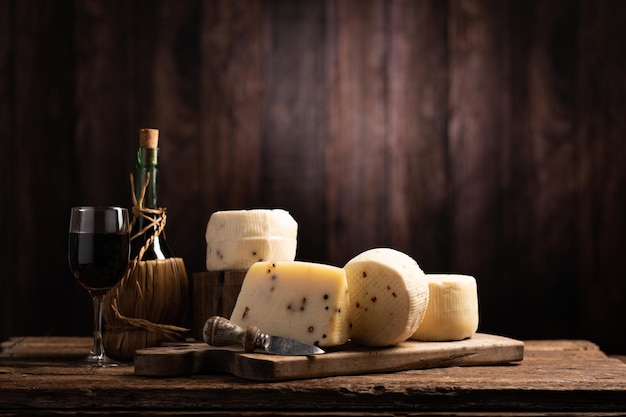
pixel 388 296
pixel 238 238
pixel 452 312
pixel 303 300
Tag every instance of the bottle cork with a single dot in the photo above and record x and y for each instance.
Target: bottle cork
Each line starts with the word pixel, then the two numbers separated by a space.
pixel 149 138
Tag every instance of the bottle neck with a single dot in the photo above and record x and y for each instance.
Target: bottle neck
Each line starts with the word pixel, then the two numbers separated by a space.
pixel 147 162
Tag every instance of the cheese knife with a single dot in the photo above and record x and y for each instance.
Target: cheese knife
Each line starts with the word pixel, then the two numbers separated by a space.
pixel 219 331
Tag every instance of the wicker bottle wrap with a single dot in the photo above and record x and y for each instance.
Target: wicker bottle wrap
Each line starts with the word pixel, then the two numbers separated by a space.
pixel 149 305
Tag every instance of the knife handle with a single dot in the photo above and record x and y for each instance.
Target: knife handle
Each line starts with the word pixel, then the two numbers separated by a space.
pixel 219 331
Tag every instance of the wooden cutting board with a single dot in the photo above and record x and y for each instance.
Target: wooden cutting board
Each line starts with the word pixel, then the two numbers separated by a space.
pixel 183 359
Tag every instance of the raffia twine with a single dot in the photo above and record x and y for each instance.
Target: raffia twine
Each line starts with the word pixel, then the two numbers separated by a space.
pixel 150 302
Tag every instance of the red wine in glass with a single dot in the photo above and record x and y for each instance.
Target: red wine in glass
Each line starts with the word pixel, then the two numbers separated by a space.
pixel 98 254
pixel 98 260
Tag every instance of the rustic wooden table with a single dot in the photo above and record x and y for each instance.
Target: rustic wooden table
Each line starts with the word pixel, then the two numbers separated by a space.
pixel 38 376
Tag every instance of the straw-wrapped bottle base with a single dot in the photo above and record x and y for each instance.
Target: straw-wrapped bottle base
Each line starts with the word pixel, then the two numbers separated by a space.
pixel 146 308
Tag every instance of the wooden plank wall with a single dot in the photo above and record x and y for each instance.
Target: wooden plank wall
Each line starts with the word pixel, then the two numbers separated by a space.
pixel 482 137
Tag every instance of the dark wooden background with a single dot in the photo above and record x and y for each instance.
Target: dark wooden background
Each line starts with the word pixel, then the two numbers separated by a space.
pixel 480 137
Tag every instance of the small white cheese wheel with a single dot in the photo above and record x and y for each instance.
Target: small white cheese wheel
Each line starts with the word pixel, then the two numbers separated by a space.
pixel 238 238
pixel 388 296
pixel 303 300
pixel 452 312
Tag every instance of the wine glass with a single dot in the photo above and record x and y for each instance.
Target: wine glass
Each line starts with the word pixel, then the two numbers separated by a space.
pixel 98 252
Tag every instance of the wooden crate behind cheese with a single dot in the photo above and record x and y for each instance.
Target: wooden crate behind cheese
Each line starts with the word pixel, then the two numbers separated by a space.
pixel 214 294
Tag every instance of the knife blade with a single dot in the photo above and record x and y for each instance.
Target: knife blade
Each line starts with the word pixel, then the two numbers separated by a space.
pixel 219 331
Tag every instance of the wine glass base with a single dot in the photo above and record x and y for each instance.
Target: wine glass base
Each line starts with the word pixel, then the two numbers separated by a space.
pixel 101 362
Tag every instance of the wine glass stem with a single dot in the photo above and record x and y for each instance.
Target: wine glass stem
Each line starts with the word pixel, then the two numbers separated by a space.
pixel 98 346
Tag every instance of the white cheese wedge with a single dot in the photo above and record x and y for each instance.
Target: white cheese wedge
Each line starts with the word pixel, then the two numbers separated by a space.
pixel 303 300
pixel 452 312
pixel 388 296
pixel 238 238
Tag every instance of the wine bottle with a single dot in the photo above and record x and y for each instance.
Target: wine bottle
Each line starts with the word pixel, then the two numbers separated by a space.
pixel 147 219
pixel 149 305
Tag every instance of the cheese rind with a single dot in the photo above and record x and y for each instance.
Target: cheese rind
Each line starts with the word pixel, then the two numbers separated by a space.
pixel 388 296
pixel 238 238
pixel 452 312
pixel 303 300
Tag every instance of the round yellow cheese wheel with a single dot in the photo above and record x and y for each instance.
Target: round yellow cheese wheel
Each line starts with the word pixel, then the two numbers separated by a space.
pixel 452 312
pixel 388 296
